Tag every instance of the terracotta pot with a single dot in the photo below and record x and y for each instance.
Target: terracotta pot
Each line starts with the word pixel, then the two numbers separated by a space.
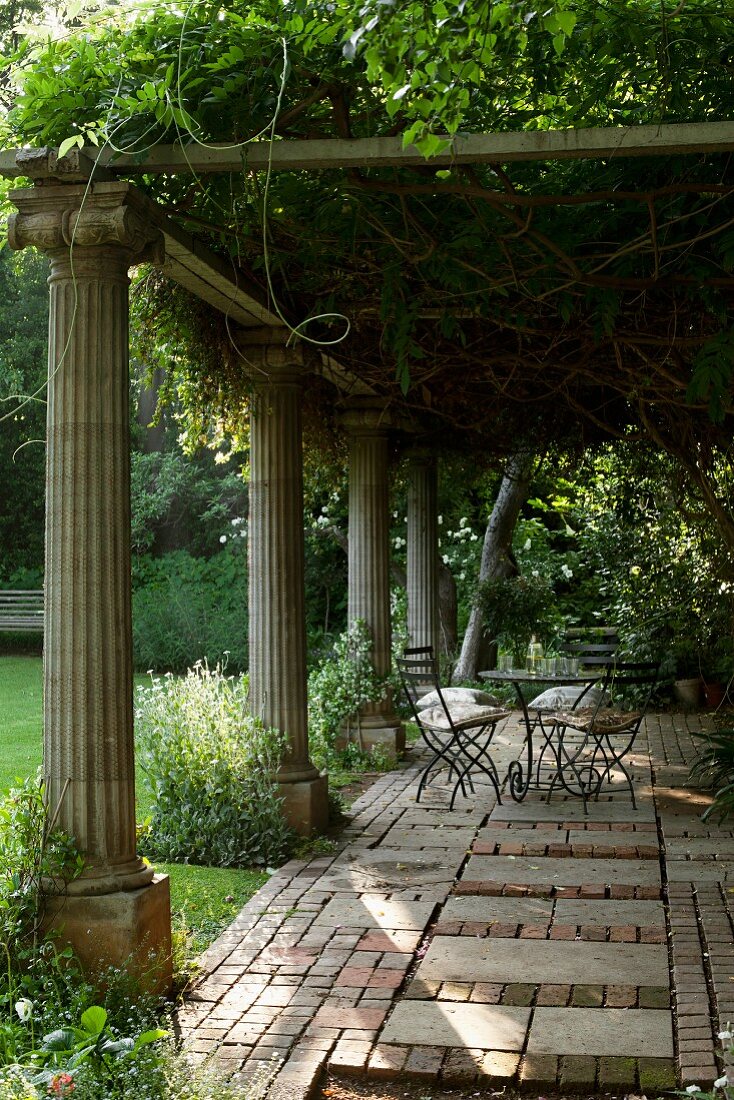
pixel 714 694
pixel 688 692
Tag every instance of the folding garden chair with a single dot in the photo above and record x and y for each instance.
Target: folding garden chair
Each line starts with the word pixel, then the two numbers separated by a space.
pixel 458 733
pixel 591 742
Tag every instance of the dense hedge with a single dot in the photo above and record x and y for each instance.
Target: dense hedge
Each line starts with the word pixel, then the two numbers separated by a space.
pixel 188 609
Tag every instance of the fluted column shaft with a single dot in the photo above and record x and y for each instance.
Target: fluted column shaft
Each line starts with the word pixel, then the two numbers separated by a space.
pixel 88 721
pixel 423 618
pixel 369 544
pixel 277 642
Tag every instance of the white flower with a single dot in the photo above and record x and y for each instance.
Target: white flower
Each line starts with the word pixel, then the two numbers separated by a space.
pixel 692 1088
pixel 726 1034
pixel 535 573
pixel 24 1008
pixel 439 520
pixel 463 521
pixel 567 572
pixel 527 544
pixel 721 1082
pixel 222 538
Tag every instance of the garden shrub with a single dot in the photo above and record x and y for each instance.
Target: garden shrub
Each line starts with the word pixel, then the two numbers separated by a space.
pixel 209 768
pixel 188 609
pixel 342 683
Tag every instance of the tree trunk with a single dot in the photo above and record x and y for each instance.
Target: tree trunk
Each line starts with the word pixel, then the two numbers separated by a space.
pixel 447 611
pixel 497 560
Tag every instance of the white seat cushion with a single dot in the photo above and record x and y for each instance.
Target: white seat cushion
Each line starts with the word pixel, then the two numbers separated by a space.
pixel 562 698
pixel 463 716
pixel 459 696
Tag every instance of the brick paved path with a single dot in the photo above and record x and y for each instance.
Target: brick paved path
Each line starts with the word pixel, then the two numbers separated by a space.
pixel 500 942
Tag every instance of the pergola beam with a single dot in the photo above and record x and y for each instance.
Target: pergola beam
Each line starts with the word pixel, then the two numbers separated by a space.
pixel 385 152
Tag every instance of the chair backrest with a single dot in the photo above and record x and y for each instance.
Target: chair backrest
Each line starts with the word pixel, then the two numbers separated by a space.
pixel 594 647
pixel 419 674
pixel 642 676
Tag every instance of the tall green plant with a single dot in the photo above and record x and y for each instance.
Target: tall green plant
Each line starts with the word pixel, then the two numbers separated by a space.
pixel 210 769
pixel 343 683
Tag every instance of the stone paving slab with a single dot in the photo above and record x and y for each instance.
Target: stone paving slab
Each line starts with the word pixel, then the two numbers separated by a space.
pixel 374 871
pixel 698 870
pixel 534 809
pixel 437 817
pixel 369 911
pixel 426 836
pixel 699 847
pixel 519 910
pixel 604 913
pixel 451 1024
pixel 460 959
pixel 561 872
pixel 631 1033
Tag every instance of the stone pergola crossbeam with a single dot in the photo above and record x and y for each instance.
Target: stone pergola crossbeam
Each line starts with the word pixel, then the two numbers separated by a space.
pixel 685 138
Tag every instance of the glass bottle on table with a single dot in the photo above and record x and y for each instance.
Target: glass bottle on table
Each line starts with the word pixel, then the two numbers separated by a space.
pixel 534 656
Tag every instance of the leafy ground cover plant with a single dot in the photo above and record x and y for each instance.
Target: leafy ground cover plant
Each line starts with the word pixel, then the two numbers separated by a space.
pixel 715 768
pixel 209 768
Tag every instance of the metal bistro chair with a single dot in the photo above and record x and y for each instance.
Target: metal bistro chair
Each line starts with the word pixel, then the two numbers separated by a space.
pixel 591 741
pixel 458 734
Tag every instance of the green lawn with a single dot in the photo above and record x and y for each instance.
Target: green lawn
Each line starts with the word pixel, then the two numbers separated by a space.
pixel 21 722
pixel 199 895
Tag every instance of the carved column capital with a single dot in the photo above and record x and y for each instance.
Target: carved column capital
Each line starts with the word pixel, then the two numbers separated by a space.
pixel 270 356
pixel 54 218
pixel 366 416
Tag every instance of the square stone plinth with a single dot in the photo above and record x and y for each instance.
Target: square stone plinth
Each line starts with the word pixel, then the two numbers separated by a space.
pixel 452 1024
pixel 534 809
pixel 374 912
pixel 506 910
pixel 306 804
pixel 557 962
pixel 641 914
pixel 599 1032
pixel 562 872
pixel 129 929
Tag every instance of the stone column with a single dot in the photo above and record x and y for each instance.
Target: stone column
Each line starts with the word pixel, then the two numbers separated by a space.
pixel 91 238
pixel 277 639
pixel 369 557
pixel 423 618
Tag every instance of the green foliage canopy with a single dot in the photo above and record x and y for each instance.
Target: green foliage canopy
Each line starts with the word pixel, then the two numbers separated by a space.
pixel 492 302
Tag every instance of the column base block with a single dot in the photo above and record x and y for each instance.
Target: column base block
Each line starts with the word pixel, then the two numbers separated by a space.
pixel 306 804
pixel 129 929
pixel 389 737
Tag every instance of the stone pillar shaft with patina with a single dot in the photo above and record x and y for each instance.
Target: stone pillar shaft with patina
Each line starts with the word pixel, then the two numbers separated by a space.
pixel 277 617
pixel 91 237
pixel 423 617
pixel 369 556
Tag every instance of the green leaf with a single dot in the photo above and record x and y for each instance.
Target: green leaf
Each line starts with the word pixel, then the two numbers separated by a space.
pixel 94 1019
pixel 566 20
pixel 76 141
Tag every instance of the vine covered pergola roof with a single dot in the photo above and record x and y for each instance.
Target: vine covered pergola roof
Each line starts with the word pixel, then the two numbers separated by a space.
pixel 529 278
